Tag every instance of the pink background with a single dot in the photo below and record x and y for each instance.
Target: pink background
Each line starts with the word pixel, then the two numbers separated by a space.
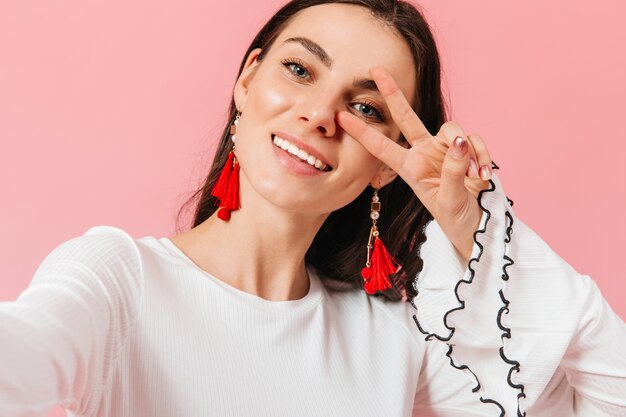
pixel 109 110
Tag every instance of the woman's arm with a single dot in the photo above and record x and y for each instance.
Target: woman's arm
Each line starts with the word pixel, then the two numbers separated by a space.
pixel 532 334
pixel 519 319
pixel 62 334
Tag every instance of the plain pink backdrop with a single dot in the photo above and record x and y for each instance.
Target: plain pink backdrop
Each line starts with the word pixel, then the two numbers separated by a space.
pixel 109 111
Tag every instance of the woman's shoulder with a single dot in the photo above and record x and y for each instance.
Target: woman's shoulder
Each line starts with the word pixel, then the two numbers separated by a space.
pixel 104 252
pixel 102 268
pixel 107 243
pixel 98 245
pixel 113 253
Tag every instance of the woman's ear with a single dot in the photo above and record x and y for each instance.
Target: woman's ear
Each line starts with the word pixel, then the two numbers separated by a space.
pixel 242 85
pixel 383 176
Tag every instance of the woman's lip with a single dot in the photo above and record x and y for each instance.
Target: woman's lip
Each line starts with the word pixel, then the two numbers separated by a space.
pixel 295 165
pixel 305 147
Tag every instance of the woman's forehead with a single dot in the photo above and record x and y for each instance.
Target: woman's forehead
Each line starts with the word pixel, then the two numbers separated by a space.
pixel 352 39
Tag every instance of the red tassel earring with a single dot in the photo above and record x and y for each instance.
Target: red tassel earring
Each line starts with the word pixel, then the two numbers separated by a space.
pixel 379 263
pixel 226 189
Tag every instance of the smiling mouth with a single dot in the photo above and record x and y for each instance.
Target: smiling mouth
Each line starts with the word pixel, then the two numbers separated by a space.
pixel 300 154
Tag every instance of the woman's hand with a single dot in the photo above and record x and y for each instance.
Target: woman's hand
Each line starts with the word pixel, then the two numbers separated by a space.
pixel 444 170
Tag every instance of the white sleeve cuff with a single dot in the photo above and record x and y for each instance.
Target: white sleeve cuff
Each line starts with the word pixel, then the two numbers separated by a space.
pixel 512 312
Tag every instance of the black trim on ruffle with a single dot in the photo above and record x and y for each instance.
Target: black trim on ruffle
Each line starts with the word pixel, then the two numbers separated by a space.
pixel 461 367
pixel 489 401
pixel 506 331
pixel 515 365
pixel 461 306
pixel 509 228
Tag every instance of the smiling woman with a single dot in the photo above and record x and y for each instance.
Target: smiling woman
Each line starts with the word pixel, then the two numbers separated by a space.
pixel 352 253
pixel 305 77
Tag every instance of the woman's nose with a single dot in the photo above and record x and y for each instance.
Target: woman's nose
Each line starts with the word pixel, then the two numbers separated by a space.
pixel 319 115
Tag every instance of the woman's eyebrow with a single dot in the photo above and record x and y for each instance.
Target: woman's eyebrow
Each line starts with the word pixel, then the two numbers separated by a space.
pixel 366 84
pixel 314 48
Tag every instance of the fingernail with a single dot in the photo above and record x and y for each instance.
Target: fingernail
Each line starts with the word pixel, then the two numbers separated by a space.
pixel 485 172
pixel 473 169
pixel 459 147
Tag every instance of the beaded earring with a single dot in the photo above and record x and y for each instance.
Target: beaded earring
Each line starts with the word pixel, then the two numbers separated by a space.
pixel 379 263
pixel 226 189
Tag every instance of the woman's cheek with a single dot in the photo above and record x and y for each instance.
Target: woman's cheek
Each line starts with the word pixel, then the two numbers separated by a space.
pixel 274 93
pixel 355 177
pixel 273 98
pixel 364 163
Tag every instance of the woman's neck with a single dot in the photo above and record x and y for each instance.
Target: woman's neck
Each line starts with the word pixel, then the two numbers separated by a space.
pixel 260 250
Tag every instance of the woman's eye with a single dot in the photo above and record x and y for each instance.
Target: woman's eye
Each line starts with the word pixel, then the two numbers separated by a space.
pixel 369 111
pixel 297 69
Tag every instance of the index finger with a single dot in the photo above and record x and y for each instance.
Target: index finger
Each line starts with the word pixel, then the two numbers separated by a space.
pixel 379 145
pixel 402 113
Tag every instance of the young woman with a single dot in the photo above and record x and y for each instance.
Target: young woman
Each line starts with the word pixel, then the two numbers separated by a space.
pixel 315 281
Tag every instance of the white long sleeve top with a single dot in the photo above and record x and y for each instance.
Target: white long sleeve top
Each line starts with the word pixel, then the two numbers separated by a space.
pixel 117 326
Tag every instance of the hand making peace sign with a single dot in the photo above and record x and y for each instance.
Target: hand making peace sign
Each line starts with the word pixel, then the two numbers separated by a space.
pixel 435 167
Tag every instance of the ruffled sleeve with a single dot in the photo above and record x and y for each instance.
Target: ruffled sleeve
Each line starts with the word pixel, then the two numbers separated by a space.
pixel 527 334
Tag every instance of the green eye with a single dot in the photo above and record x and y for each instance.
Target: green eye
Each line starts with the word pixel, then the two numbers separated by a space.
pixel 369 111
pixel 296 68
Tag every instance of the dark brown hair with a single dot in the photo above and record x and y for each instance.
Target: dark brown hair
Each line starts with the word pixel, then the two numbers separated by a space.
pixel 338 251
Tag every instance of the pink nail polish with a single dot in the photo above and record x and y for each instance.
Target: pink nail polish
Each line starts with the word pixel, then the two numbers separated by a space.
pixel 485 172
pixel 459 147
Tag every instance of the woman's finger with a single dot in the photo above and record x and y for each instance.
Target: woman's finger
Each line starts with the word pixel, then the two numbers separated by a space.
pixel 474 167
pixel 379 145
pixel 482 155
pixel 447 133
pixel 452 192
pixel 401 111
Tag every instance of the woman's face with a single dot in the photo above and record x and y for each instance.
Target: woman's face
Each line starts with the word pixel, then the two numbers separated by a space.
pixel 318 65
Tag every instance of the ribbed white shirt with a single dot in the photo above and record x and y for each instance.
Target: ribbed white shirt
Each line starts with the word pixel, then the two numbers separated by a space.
pixel 124 327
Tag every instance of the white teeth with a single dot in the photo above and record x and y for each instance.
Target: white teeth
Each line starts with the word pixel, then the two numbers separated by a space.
pixel 300 153
pixel 304 155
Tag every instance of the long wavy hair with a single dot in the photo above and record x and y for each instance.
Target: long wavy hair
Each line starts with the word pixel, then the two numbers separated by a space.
pixel 338 251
